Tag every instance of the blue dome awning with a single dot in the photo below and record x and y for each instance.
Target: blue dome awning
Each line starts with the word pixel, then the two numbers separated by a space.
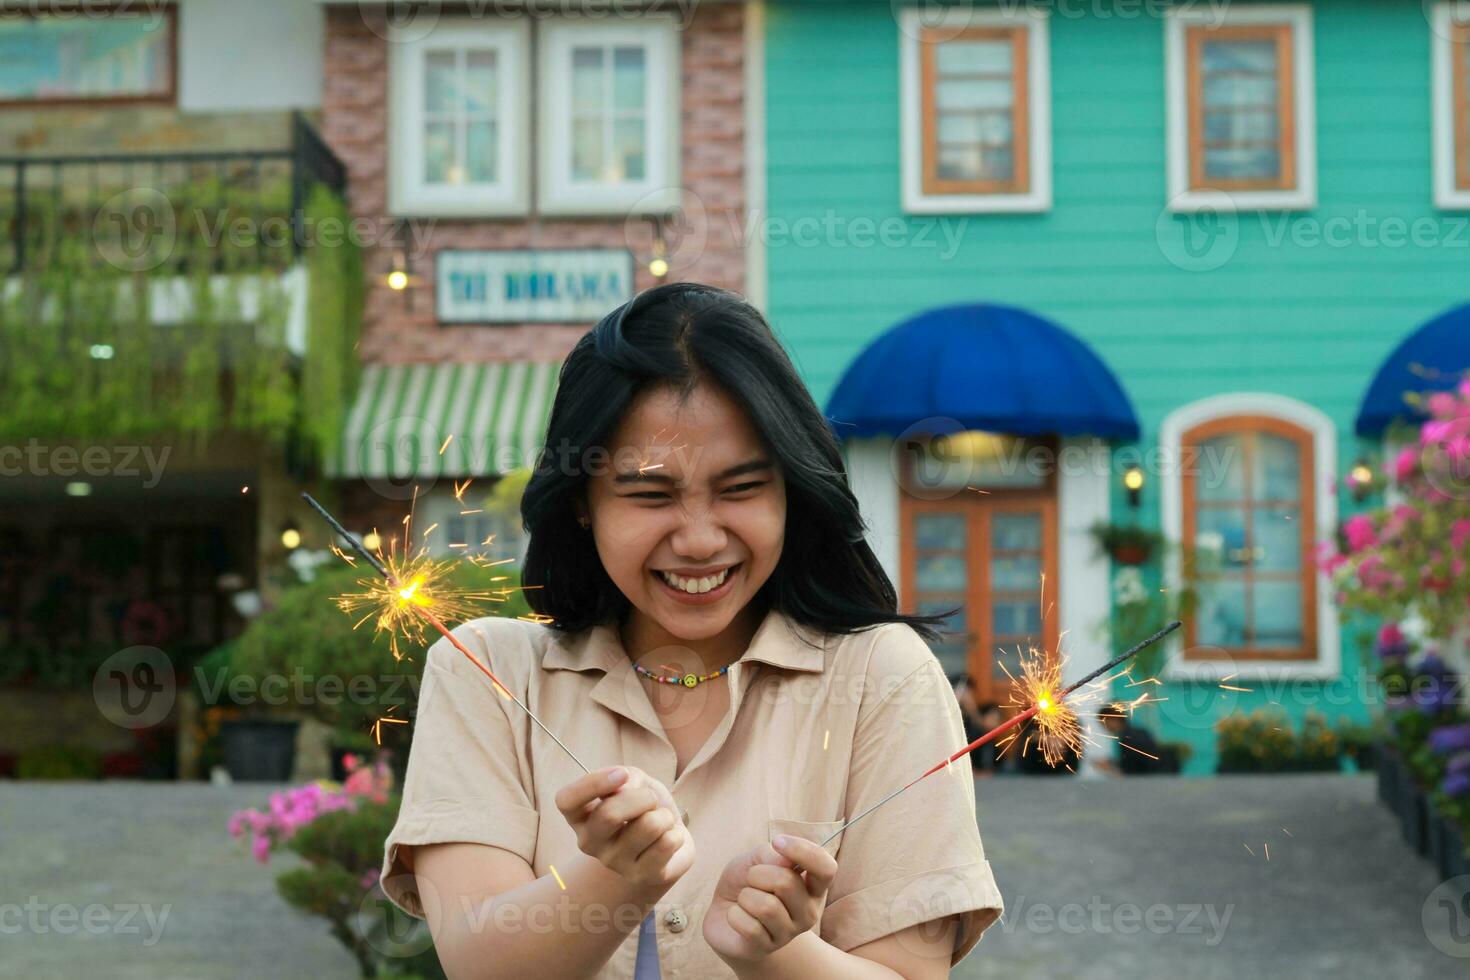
pixel 991 368
pixel 1432 358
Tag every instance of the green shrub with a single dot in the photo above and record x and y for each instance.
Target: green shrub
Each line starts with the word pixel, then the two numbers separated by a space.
pixel 307 636
pixel 343 849
pixel 59 762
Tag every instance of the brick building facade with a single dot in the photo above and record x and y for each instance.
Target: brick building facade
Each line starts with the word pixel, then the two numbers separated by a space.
pixel 355 124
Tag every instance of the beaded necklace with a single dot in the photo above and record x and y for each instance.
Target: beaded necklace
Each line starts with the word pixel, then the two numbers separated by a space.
pixel 686 680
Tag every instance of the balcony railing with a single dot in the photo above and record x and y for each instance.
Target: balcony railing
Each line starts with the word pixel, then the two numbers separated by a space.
pixel 227 210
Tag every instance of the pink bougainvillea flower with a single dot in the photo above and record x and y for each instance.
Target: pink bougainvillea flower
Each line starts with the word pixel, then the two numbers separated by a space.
pixel 1443 405
pixel 1405 463
pixel 1360 532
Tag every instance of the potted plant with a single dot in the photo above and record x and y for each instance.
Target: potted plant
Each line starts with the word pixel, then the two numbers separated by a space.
pixel 350 675
pixel 338 830
pixel 1359 742
pixel 1126 544
pixel 257 743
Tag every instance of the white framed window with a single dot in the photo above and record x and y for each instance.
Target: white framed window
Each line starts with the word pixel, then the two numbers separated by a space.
pixel 1450 61
pixel 974 110
pixel 465 528
pixel 1246 490
pixel 608 100
pixel 1241 107
pixel 457 114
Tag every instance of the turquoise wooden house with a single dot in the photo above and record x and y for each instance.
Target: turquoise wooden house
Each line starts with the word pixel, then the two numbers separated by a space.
pixel 1050 266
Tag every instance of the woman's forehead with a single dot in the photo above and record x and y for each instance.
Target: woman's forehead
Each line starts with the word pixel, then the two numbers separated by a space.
pixel 684 438
pixel 706 416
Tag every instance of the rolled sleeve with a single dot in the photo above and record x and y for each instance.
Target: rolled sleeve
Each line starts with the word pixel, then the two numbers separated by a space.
pixel 918 858
pixel 464 778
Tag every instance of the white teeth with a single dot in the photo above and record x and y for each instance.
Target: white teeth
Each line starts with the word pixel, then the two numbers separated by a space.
pixel 695 586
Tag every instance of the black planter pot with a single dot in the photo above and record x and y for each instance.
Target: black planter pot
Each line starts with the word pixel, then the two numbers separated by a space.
pixel 1446 846
pixel 259 749
pixel 1414 821
pixel 1388 763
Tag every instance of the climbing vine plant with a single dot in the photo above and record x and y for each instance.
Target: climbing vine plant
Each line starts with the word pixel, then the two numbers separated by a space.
pixel 168 315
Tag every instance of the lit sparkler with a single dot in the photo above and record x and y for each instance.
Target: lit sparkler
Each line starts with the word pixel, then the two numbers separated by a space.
pixel 1056 719
pixel 415 591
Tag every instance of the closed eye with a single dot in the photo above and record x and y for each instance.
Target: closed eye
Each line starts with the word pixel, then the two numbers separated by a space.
pixel 742 487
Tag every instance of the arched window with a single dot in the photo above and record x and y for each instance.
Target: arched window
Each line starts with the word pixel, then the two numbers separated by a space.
pixel 1248 514
pixel 1247 499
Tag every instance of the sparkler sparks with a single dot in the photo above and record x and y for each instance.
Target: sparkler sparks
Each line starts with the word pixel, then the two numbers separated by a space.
pixel 1051 696
pixel 397 609
pixel 416 592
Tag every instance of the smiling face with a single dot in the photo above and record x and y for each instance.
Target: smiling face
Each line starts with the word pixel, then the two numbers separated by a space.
pixel 689 515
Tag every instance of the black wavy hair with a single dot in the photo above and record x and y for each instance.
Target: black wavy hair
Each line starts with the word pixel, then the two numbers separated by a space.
pixel 682 335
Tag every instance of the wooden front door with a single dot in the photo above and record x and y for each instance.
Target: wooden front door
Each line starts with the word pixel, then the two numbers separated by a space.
pixel 985 554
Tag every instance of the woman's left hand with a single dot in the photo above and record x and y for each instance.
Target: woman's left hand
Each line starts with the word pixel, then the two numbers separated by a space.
pixel 761 904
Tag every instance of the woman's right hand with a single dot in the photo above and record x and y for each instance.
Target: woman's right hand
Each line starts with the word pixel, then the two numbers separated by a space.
pixel 630 823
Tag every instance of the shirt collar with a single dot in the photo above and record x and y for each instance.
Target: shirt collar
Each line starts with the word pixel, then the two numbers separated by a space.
pixel 779 641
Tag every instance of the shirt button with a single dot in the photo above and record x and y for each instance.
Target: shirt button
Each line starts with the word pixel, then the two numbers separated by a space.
pixel 675 920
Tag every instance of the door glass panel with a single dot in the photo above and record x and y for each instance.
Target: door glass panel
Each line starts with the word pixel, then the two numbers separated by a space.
pixel 1004 657
pixel 953 646
pixel 1016 618
pixel 1015 574
pixel 940 531
pixel 1015 532
pixel 940 573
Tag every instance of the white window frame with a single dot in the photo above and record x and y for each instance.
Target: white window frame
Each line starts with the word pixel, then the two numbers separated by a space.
pixel 1176 88
pixel 659 190
pixel 1442 18
pixel 1327 663
pixel 407 193
pixel 1038 197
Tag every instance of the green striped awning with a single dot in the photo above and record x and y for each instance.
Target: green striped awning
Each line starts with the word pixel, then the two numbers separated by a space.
pixel 405 413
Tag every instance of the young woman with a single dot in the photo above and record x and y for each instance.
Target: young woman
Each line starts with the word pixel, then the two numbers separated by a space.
pixel 724 654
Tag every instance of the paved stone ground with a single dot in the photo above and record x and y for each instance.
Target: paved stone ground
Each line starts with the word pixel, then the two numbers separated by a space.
pixel 1103 879
pixel 1341 895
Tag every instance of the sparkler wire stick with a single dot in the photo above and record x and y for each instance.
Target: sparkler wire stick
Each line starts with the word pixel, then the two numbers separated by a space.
pixel 1010 723
pixel 382 569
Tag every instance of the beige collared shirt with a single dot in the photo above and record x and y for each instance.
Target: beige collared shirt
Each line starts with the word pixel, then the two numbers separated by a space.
pixel 812 735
